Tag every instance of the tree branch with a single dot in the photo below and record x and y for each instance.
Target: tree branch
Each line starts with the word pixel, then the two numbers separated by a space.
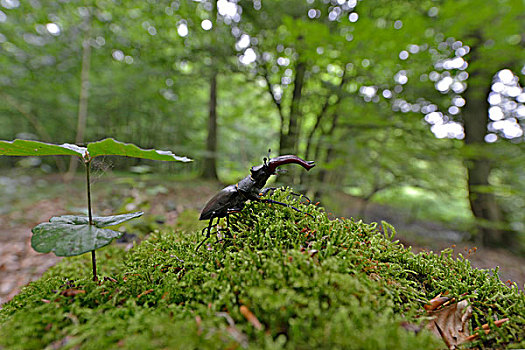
pixel 322 113
pixel 270 91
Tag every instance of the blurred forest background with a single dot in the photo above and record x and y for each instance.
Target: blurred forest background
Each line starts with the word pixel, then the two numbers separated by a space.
pixel 417 104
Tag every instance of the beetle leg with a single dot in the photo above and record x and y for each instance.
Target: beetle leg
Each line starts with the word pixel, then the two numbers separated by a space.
pixel 220 236
pixel 228 225
pixel 232 225
pixel 208 233
pixel 302 196
pixel 264 191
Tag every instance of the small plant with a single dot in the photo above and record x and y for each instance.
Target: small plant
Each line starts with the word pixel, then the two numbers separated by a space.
pixel 71 235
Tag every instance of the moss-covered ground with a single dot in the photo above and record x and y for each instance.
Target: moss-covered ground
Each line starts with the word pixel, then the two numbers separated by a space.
pixel 277 279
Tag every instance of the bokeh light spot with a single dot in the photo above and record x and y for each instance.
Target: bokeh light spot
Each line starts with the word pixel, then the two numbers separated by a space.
pixel 206 24
pixel 353 17
pixel 53 28
pixel 182 29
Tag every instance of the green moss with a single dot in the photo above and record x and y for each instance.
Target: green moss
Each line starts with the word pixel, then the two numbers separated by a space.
pixel 311 282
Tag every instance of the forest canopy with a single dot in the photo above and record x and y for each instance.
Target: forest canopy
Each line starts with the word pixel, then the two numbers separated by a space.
pixel 386 96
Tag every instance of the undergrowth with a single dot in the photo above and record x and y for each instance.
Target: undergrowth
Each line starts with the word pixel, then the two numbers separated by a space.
pixel 276 279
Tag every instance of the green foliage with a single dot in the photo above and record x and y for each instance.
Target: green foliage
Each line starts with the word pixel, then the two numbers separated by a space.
pixel 36 148
pixel 149 84
pixel 104 147
pixel 97 221
pixel 74 235
pixel 71 235
pixel 115 148
pixel 310 282
pixel 451 208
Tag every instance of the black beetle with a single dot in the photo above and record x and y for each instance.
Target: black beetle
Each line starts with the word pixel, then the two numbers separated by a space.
pixel 231 199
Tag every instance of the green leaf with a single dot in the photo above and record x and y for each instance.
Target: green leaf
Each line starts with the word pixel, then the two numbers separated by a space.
pixel 70 235
pixel 37 148
pixel 69 239
pixel 104 147
pixel 98 221
pixel 112 147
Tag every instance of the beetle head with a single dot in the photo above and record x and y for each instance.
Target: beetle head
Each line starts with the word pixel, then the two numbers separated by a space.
pixel 261 173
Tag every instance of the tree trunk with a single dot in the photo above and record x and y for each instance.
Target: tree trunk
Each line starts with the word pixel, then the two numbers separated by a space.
pixel 290 130
pixel 83 98
pixel 210 160
pixel 324 112
pixel 486 210
pixel 290 138
pixel 323 176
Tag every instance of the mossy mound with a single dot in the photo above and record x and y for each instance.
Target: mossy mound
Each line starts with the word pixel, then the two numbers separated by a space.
pixel 282 280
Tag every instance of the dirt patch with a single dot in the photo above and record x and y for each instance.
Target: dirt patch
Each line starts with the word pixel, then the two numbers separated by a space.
pixel 19 263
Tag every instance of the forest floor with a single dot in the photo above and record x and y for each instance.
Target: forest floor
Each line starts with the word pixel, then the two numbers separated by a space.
pixel 29 200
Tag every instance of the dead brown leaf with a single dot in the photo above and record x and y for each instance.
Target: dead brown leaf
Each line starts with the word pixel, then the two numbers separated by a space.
pixel 71 292
pixel 450 323
pixel 251 317
pixel 436 302
pixel 144 293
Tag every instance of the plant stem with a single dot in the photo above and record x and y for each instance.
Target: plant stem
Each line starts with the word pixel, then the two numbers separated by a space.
pixel 93 256
pixel 94 264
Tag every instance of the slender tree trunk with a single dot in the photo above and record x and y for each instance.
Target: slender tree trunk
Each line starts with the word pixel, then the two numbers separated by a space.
pixel 483 203
pixel 323 177
pixel 84 96
pixel 210 161
pixel 290 130
pixel 290 138
pixel 209 169
pixel 322 113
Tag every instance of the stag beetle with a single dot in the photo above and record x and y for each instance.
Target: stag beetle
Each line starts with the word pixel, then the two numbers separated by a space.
pixel 231 199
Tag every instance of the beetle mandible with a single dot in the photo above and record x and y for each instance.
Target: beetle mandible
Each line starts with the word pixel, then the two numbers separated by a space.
pixel 231 199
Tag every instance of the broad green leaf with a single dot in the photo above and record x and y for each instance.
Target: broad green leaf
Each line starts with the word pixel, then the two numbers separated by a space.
pixel 98 221
pixel 104 147
pixel 69 239
pixel 37 148
pixel 70 235
pixel 112 147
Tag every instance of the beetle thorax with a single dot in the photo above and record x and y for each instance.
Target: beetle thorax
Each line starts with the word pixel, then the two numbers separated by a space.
pixel 254 182
pixel 260 174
